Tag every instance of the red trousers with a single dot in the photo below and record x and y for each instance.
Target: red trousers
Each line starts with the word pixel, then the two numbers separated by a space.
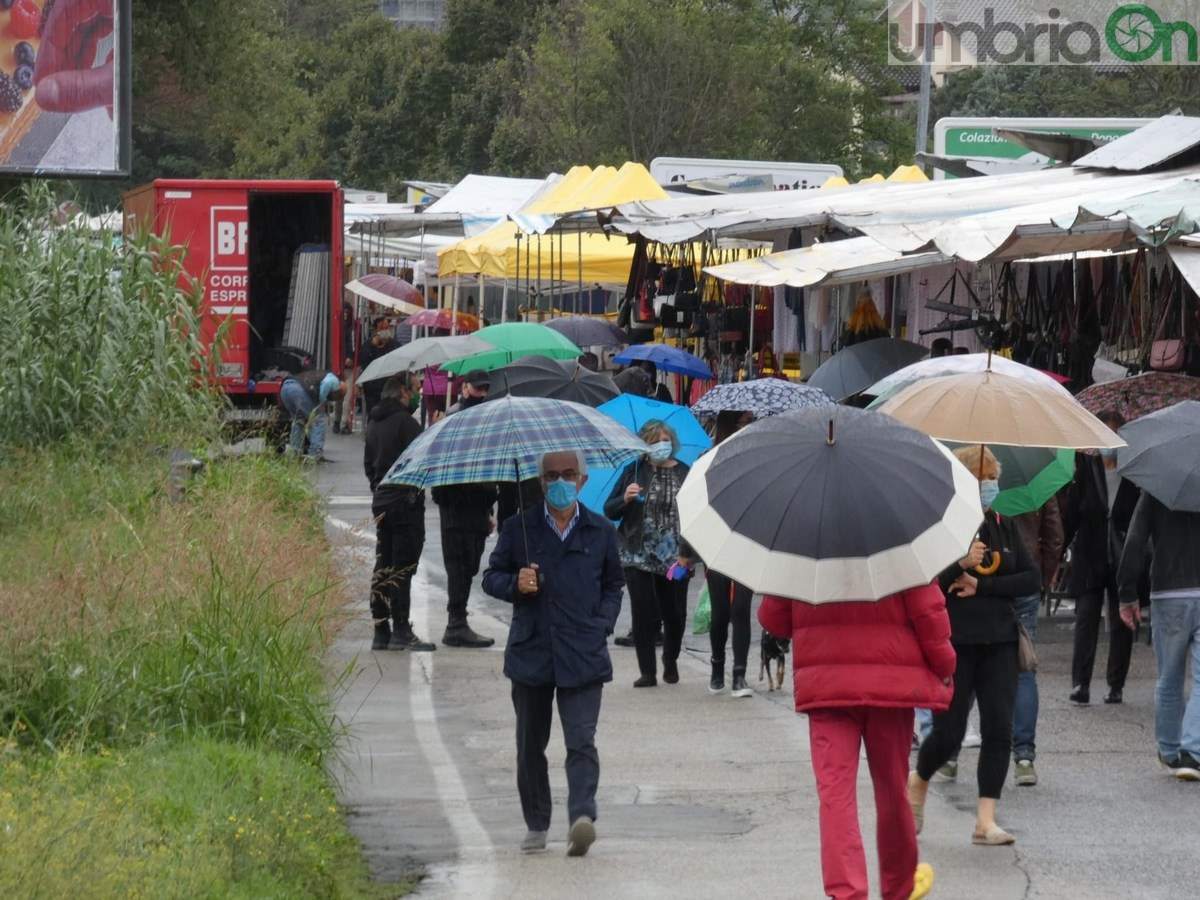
pixel 835 736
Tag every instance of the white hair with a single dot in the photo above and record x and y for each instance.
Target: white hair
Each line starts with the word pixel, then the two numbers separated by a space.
pixel 580 461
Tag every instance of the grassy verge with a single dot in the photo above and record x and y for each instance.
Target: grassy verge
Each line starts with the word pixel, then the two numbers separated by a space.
pixel 163 715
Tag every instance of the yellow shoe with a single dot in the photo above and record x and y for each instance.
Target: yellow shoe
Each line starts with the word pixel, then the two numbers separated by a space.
pixel 922 881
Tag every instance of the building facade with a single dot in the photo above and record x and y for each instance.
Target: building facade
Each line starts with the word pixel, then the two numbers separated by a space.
pixel 427 14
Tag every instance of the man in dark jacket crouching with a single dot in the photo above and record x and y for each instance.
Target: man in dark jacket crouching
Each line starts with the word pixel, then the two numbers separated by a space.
pixel 399 513
pixel 558 565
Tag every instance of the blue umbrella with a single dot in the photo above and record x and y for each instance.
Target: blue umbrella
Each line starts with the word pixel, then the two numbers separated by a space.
pixel 633 412
pixel 667 358
pixel 762 396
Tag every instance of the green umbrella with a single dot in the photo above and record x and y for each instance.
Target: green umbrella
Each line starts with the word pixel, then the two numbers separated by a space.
pixel 1029 476
pixel 513 340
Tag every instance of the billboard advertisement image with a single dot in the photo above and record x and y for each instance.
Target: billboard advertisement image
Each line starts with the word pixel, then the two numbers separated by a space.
pixel 64 87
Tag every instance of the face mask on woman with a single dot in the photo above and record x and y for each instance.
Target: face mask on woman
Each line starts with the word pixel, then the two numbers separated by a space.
pixel 989 489
pixel 660 451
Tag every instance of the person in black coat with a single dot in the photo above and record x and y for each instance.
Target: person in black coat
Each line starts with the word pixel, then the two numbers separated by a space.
pixel 981 592
pixel 1096 516
pixel 465 511
pixel 557 564
pixel 399 513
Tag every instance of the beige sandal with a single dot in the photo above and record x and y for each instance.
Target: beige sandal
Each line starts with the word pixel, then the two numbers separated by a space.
pixel 995 836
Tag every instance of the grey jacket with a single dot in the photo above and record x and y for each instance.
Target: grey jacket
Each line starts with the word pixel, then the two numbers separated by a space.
pixel 1165 540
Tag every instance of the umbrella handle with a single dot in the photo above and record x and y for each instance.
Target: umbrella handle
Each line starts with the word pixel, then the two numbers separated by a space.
pixel 986 568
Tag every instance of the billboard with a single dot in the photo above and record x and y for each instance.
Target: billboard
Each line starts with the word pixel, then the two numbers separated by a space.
pixel 785 176
pixel 65 87
pixel 970 137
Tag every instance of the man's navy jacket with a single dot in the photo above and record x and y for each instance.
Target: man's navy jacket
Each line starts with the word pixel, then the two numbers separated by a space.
pixel 559 636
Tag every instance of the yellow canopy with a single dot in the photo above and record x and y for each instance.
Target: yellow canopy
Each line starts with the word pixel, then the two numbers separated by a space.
pixel 874 178
pixel 495 254
pixel 586 188
pixel 908 174
pixel 835 181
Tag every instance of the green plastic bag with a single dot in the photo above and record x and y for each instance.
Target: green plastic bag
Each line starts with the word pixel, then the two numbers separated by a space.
pixel 702 620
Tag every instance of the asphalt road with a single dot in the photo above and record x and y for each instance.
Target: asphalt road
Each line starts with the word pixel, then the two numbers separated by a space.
pixel 706 796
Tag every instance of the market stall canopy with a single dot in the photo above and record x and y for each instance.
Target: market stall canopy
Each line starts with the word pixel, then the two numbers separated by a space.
pixel 468 208
pixel 1155 144
pixel 584 188
pixel 833 262
pixel 767 214
pixel 1155 217
pixel 497 254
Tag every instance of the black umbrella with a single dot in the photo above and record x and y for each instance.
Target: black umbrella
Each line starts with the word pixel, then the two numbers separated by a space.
pixel 1163 456
pixel 853 370
pixel 584 331
pixel 556 379
pixel 825 505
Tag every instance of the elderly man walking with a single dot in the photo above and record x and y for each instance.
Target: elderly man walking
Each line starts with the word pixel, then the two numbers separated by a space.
pixel 558 565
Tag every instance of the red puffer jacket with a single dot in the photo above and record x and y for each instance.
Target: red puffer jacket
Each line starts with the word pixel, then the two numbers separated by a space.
pixel 894 652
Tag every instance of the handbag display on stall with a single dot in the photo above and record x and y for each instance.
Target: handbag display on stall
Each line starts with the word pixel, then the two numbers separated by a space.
pixel 1167 354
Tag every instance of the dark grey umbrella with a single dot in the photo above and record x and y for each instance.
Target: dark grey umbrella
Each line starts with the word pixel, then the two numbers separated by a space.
pixel 853 370
pixel 1163 456
pixel 556 379
pixel 584 331
pixel 834 504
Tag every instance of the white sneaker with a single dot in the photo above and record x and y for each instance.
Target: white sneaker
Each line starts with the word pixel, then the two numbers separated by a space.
pixel 972 738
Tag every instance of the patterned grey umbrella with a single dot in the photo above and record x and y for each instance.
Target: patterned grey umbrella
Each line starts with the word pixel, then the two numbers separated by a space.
pixel 762 396
pixel 1163 456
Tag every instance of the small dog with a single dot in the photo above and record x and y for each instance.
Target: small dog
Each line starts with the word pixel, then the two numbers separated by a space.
pixel 773 650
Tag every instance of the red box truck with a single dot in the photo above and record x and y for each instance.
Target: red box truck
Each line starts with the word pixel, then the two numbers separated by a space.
pixel 268 255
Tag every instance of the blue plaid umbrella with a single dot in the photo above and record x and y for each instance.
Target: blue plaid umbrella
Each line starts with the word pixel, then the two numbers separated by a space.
pixel 763 397
pixel 502 440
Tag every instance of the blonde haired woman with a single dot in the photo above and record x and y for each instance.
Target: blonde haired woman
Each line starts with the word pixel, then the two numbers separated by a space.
pixel 980 592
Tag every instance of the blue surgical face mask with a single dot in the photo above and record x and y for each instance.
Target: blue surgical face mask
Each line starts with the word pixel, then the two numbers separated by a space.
pixel 660 451
pixel 1108 452
pixel 989 489
pixel 561 494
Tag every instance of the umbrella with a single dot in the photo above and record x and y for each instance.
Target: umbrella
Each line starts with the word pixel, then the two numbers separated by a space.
pixel 854 369
pixel 633 412
pixel 388 290
pixel 1132 398
pixel 558 379
pixel 1163 458
pixel 511 341
pixel 423 352
pixel 588 332
pixel 997 409
pixel 445 318
pixel 503 440
pixel 1029 476
pixel 667 358
pixel 958 365
pixel 833 504
pixel 762 396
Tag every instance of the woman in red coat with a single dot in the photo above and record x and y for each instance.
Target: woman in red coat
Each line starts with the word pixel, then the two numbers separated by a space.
pixel 859 670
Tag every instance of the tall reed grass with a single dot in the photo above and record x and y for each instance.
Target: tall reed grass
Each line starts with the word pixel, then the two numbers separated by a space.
pixel 101 338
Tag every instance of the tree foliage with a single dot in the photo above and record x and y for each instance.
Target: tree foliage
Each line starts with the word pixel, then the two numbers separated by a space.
pixel 329 89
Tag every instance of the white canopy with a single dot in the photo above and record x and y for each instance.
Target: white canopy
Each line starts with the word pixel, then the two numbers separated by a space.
pixel 834 262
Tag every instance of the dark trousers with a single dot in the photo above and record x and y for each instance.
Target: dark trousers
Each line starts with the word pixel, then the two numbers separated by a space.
pixel 578 711
pixel 989 673
pixel 1088 606
pixel 399 539
pixel 730 603
pixel 462 549
pixel 651 598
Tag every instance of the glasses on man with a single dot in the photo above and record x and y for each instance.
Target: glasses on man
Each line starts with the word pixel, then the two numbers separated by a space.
pixel 569 474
